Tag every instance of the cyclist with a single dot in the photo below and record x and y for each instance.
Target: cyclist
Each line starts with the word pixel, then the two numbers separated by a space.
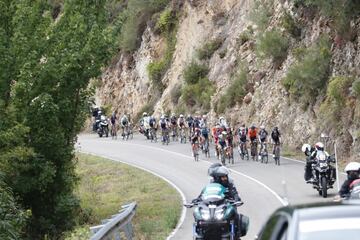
pixel 275 138
pixel 195 138
pixel 124 123
pixel 113 120
pixel 242 134
pixel 263 134
pixel 222 143
pixel 253 137
pixel 164 125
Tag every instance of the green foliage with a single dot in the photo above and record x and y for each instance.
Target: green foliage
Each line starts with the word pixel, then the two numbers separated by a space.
pixel 44 99
pixel 167 24
pixel 13 218
pixel 289 24
pixel 208 49
pixel 138 12
pixel 194 72
pixel 341 12
pixel 244 37
pixel 199 93
pixel 261 13
pixel 338 89
pixel 272 44
pixel 235 93
pixel 175 93
pixel 308 78
pixel 356 88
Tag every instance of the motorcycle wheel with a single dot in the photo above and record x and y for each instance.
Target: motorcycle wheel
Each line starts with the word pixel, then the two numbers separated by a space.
pixel 324 187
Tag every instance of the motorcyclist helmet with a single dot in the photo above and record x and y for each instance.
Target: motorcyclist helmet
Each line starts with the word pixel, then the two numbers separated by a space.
pixel 221 176
pixel 213 168
pixel 352 169
pixel 103 118
pixel 99 112
pixel 145 114
pixel 319 146
pixel 306 148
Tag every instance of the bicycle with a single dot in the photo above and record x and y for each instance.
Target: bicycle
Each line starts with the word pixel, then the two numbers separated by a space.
pixel 253 147
pixel 125 133
pixel 263 153
pixel 131 132
pixel 165 137
pixel 206 147
pixel 276 152
pixel 182 135
pixel 113 131
pixel 195 149
pixel 153 136
pixel 174 133
pixel 230 154
pixel 222 155
pixel 242 149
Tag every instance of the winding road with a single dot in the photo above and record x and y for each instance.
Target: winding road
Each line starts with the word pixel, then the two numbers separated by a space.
pixel 263 187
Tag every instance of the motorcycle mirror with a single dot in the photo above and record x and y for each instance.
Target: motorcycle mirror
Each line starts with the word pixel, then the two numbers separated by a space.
pixel 238 203
pixel 188 205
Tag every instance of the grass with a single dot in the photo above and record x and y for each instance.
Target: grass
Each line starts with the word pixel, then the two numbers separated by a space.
pixel 106 185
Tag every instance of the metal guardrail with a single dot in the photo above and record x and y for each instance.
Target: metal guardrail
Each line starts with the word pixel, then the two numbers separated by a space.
pixel 119 223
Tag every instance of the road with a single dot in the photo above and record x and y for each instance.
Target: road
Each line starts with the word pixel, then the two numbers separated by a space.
pixel 261 186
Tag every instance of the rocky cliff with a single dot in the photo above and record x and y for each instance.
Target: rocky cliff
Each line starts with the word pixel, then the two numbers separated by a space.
pixel 301 113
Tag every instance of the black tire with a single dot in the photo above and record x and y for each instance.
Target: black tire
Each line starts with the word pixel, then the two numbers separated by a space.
pixel 324 187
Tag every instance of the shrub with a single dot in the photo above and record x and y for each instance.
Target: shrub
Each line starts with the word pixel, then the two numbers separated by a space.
pixel 289 24
pixel 235 93
pixel 156 70
pixel 167 21
pixel 261 12
pixel 356 88
pixel 209 48
pixel 194 72
pixel 308 77
pixel 198 94
pixel 338 89
pixel 272 44
pixel 175 94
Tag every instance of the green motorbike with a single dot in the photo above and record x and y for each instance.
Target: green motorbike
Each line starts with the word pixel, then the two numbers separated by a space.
pixel 216 217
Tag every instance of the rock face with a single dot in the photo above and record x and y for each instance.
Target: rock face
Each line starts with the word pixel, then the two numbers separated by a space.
pixel 126 86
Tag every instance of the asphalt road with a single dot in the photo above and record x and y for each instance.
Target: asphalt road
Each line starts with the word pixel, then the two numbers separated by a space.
pixel 262 187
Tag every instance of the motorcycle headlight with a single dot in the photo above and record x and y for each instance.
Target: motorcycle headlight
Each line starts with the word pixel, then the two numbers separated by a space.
pixel 219 214
pixel 205 214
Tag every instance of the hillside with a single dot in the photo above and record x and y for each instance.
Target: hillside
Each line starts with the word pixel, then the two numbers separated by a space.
pixel 290 63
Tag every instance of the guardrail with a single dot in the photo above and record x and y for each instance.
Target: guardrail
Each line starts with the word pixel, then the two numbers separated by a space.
pixel 119 223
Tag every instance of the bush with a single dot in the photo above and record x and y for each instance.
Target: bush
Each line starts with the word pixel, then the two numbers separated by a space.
pixel 167 21
pixel 198 94
pixel 209 48
pixel 356 88
pixel 156 71
pixel 272 44
pixel 244 37
pixel 261 12
pixel 194 72
pixel 235 93
pixel 338 89
pixel 307 78
pixel 289 24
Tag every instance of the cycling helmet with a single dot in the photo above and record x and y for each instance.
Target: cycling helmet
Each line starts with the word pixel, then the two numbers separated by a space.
pixel 223 132
pixel 319 146
pixel 253 126
pixel 204 116
pixel 197 129
pixel 306 148
pixel 262 127
pixel 145 114
pixel 181 116
pixel 221 118
pixel 352 166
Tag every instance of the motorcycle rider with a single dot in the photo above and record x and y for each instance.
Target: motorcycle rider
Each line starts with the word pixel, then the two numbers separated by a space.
pixel 352 170
pixel 219 175
pixel 311 153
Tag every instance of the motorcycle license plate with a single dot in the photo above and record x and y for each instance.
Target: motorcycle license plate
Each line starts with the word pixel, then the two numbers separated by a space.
pixel 322 165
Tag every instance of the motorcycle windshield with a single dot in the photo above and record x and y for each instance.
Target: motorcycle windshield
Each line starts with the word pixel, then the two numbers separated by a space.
pixel 321 157
pixel 213 192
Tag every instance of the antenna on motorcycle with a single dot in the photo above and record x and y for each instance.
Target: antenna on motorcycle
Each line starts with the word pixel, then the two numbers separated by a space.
pixel 337 168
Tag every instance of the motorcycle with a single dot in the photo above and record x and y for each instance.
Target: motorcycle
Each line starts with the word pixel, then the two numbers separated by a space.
pixel 322 172
pixel 215 216
pixel 103 127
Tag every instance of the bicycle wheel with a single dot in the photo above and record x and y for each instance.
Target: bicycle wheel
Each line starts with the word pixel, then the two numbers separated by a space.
pixel 277 155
